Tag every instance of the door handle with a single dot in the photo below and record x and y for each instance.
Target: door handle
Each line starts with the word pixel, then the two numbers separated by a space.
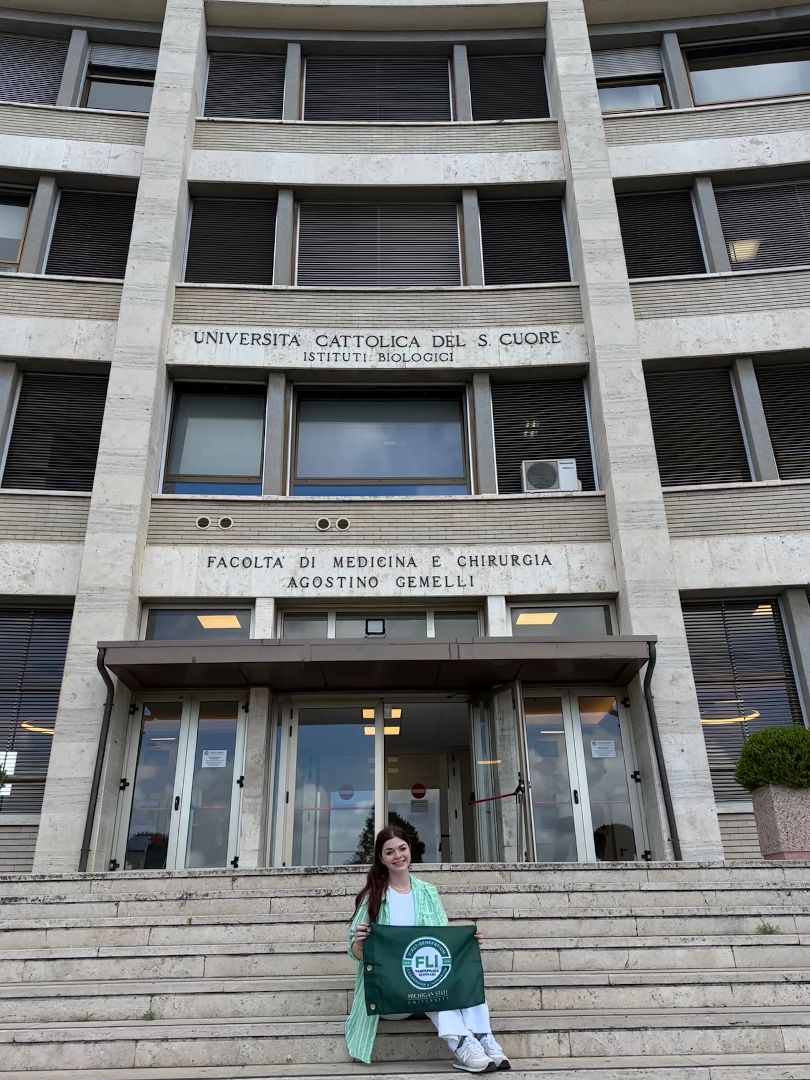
pixel 576 797
pixel 177 802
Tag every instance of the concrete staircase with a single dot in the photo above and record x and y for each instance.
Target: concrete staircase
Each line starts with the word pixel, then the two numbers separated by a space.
pixel 607 972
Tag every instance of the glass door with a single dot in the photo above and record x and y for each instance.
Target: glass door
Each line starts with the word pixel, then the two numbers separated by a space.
pixel 584 799
pixel 183 781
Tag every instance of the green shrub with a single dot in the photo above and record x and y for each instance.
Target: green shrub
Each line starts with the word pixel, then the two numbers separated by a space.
pixel 776 756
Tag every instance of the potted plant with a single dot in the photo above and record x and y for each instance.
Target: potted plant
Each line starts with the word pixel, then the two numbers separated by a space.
pixel 775 767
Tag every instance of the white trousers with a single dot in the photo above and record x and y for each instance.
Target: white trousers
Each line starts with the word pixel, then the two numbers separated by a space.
pixel 454 1024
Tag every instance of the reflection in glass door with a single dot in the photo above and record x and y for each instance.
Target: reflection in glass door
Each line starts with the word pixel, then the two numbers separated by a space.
pixel 332 771
pixel 584 804
pixel 185 760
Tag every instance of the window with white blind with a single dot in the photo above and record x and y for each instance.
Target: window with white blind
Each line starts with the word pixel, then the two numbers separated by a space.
pixel 696 427
pixel 231 241
pixel 743 676
pixel 630 80
pixel 785 393
pixel 377 88
pixel 378 244
pixel 31 68
pixel 660 234
pixel 216 440
pixel 91 234
pixel 766 226
pixel 120 77
pixel 524 241
pixel 245 85
pixel 56 431
pixel 404 624
pixel 33 644
pixel 508 87
pixel 540 420
pixel 769 68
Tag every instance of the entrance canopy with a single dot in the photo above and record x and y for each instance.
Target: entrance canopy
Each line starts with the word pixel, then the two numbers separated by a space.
pixel 414 666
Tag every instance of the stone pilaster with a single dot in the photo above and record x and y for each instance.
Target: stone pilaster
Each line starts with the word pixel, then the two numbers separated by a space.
pixel 648 600
pixel 107 604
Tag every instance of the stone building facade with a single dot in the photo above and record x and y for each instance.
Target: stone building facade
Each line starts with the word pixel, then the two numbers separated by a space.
pixel 402 412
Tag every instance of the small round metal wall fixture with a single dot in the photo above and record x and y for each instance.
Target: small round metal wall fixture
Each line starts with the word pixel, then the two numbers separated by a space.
pixel 203 522
pixel 225 522
pixel 342 524
pixel 323 524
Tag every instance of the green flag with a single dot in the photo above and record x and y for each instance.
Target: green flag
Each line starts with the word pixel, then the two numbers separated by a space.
pixel 411 969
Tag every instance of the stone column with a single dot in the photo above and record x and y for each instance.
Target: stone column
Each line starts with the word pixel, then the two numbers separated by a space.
pixel 648 600
pixel 284 250
pixel 292 83
pixel 471 229
pixel 40 224
pixel 486 466
pixel 498 624
pixel 72 84
pixel 8 396
pixel 711 231
pixel 264 617
pixel 107 606
pixel 677 76
pixel 461 83
pixel 796 609
pixel 255 793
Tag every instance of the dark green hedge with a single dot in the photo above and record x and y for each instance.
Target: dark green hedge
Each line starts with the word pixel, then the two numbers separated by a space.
pixel 776 756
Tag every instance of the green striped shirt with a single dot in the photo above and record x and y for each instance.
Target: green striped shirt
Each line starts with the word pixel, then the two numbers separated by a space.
pixel 361 1029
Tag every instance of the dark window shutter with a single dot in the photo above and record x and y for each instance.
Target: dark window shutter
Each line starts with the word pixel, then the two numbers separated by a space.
pixel 31 68
pixel 698 439
pixel 508 87
pixel 785 392
pixel 57 426
pixel 535 420
pixel 131 57
pixel 660 234
pixel 744 679
pixel 386 244
pixel 524 242
pixel 249 85
pixel 33 644
pixel 377 88
pixel 766 226
pixel 627 63
pixel 231 241
pixel 91 234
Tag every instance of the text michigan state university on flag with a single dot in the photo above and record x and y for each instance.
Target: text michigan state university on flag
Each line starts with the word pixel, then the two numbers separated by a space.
pixel 410 969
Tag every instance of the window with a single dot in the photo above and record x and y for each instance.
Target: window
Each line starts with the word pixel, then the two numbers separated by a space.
pixel 785 392
pixel 749 70
pixel 31 68
pixel 766 227
pixel 660 234
pixel 378 244
pixel 245 85
pixel 444 625
pixel 377 88
pixel 632 95
pixel 216 441
pixel 120 77
pixel 508 87
pixel 377 443
pixel 562 620
pixel 524 241
pixel 744 679
pixel 33 644
pixel 630 80
pixel 13 221
pixel 696 427
pixel 197 624
pixel 536 420
pixel 91 234
pixel 121 91
pixel 56 431
pixel 232 241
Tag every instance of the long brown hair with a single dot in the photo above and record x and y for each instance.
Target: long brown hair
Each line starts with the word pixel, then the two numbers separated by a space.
pixel 377 880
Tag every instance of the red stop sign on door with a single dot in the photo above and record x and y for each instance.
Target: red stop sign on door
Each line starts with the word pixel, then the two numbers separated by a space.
pixel 419 791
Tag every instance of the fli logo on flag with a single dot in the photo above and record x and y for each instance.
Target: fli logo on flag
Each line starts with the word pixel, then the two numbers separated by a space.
pixel 426 963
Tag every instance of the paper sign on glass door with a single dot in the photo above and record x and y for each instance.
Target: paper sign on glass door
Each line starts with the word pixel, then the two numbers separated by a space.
pixel 214 759
pixel 603 748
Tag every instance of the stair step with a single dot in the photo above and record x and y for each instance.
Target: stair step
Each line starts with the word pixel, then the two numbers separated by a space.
pixel 117 1045
pixel 206 998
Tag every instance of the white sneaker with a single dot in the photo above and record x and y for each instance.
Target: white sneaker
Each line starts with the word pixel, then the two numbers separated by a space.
pixel 494 1051
pixel 469 1055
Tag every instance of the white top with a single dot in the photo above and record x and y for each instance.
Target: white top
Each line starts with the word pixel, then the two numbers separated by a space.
pixel 401 910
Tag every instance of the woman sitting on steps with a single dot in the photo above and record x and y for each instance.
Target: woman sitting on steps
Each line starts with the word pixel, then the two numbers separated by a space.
pixel 392 897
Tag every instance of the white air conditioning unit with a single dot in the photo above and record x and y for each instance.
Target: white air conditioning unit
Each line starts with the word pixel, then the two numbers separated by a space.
pixel 550 474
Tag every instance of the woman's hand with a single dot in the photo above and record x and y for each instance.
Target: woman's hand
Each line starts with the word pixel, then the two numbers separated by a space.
pixel 478 937
pixel 360 935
